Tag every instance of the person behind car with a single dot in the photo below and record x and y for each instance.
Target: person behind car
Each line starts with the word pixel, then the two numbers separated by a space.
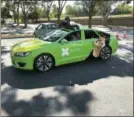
pixel 65 23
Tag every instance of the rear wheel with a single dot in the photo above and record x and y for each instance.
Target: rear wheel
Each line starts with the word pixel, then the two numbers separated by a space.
pixel 44 62
pixel 105 53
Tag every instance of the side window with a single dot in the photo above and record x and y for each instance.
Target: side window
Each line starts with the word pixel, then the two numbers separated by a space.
pixel 43 26
pixel 74 36
pixel 90 34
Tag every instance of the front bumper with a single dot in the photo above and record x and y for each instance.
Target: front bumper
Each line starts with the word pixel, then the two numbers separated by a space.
pixel 22 62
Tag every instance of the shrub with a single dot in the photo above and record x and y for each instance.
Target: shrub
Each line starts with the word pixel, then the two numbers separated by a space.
pixel 124 9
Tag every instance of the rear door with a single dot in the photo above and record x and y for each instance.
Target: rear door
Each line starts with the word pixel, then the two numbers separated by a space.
pixel 89 38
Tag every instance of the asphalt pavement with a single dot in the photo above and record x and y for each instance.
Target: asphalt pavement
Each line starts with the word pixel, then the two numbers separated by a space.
pixel 92 87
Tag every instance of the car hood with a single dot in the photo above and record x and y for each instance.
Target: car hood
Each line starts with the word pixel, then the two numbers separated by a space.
pixel 29 45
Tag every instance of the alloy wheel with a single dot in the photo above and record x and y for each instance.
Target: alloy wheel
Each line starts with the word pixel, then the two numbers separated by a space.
pixel 105 53
pixel 44 63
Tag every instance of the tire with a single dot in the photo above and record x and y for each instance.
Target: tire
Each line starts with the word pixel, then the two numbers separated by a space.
pixel 105 53
pixel 44 63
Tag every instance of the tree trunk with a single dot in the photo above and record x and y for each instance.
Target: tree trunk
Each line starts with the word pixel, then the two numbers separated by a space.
pixel 36 20
pixel 48 17
pixel 105 21
pixel 25 26
pixel 91 7
pixel 44 14
pixel 25 21
pixel 3 20
pixel 58 18
pixel 18 14
pixel 35 9
pixel 47 13
pixel 90 21
pixel 59 13
pixel 14 18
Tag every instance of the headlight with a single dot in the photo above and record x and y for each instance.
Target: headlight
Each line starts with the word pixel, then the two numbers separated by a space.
pixel 22 54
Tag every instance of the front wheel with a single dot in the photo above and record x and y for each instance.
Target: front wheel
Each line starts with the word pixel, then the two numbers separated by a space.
pixel 44 62
pixel 105 53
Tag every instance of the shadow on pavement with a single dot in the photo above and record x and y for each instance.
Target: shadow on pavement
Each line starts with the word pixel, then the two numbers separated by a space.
pixel 67 102
pixel 76 73
pixel 75 103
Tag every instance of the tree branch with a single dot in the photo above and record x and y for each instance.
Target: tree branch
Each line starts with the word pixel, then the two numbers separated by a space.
pixel 63 4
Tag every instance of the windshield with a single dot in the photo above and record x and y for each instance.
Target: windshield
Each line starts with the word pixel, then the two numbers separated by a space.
pixel 54 35
pixel 39 27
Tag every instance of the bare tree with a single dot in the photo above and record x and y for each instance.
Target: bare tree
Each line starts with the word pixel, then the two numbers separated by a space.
pixel 105 11
pixel 61 4
pixel 12 7
pixel 47 5
pixel 34 9
pixel 5 12
pixel 16 11
pixel 26 7
pixel 91 8
pixel 88 6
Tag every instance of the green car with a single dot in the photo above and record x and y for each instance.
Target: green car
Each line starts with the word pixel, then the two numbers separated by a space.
pixel 60 47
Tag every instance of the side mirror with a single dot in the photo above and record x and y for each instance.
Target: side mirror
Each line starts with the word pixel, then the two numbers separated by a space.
pixel 63 41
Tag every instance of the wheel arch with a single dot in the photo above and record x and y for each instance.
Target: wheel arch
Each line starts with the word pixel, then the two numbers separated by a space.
pixel 90 54
pixel 43 54
pixel 110 47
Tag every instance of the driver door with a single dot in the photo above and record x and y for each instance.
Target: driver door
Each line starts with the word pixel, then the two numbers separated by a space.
pixel 71 50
